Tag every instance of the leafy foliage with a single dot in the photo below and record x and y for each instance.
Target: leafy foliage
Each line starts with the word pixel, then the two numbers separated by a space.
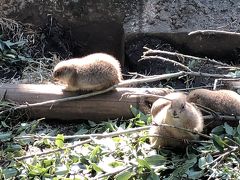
pixel 126 156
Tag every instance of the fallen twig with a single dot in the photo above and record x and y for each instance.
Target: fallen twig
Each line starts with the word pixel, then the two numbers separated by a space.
pixel 99 136
pixel 184 129
pixel 151 51
pixel 229 118
pixel 127 131
pixel 208 32
pixel 112 173
pixel 166 59
pixel 193 73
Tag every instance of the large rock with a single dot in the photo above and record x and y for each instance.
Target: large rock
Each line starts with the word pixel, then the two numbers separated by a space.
pixel 99 25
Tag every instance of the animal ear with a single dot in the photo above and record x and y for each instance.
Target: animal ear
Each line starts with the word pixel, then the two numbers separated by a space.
pixel 64 68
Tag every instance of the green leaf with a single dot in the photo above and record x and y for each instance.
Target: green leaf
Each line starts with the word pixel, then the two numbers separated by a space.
pixel 11 56
pixel 218 142
pixel 202 162
pixel 125 175
pixel 96 168
pixel 134 110
pixel 74 158
pixel 94 154
pixel 18 43
pixel 181 170
pixel 219 130
pixel 155 160
pixel 228 129
pixel 153 176
pixel 110 127
pixel 61 170
pixel 116 164
pixel 143 163
pixel 34 125
pixel 140 123
pixel 13 147
pixel 10 173
pixel 4 124
pixel 92 124
pixel 59 141
pixel 48 162
pixel 237 139
pixel 4 46
pixel 238 129
pixel 192 64
pixel 37 170
pixel 5 136
pixel 209 158
pixel 191 174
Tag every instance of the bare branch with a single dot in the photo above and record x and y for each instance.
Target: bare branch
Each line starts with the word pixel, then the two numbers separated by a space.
pixel 128 131
pixel 209 32
pixel 99 136
pixel 151 51
pixel 165 59
pixel 184 129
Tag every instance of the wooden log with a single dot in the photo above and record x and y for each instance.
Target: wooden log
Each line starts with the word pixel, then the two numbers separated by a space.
pixel 110 105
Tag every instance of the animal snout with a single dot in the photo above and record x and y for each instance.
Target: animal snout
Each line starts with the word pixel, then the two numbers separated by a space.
pixel 174 113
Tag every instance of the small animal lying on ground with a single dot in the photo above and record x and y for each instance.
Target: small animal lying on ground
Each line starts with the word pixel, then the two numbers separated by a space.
pixel 226 102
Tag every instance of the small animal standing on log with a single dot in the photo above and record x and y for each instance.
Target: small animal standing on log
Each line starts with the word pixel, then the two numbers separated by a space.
pixel 224 101
pixel 90 73
pixel 179 113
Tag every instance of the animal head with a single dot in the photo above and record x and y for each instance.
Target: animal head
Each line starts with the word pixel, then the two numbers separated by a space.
pixel 177 107
pixel 63 71
pixel 196 95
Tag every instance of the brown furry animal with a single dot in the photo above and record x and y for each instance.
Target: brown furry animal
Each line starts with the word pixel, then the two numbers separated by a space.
pixel 178 113
pixel 224 101
pixel 90 73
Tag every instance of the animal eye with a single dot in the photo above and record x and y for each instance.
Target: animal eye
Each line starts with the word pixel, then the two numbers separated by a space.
pixel 197 96
pixel 56 73
pixel 182 106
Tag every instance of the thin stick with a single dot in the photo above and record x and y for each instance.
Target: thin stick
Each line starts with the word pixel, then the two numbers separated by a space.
pixel 229 118
pixel 112 173
pixel 99 136
pixel 193 73
pixel 53 151
pixel 165 59
pixel 193 88
pixel 150 51
pixel 209 110
pixel 208 32
pixel 183 129
pixel 128 131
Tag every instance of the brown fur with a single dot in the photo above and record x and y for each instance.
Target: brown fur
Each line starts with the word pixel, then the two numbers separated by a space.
pixel 224 101
pixel 91 73
pixel 178 113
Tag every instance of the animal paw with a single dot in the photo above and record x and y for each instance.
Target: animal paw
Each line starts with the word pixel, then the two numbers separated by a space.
pixel 70 88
